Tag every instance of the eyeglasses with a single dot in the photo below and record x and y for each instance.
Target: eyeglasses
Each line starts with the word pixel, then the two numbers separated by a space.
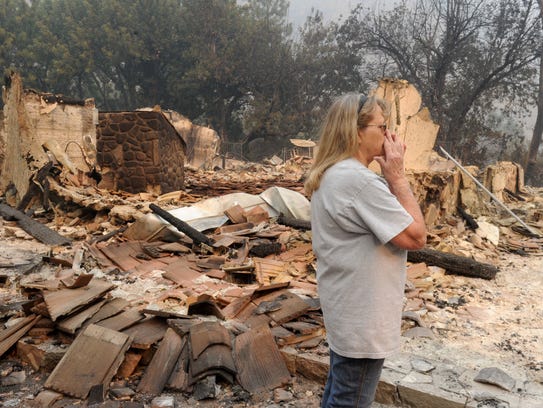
pixel 383 127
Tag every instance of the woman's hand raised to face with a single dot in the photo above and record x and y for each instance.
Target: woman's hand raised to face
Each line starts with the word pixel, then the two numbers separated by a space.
pixel 392 162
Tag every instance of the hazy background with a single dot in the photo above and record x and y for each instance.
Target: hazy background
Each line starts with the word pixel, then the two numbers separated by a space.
pixel 331 9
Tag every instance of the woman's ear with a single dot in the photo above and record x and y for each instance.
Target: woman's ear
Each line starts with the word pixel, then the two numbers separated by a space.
pixel 359 133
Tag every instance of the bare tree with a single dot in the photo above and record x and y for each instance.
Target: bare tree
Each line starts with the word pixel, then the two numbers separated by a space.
pixel 538 128
pixel 460 54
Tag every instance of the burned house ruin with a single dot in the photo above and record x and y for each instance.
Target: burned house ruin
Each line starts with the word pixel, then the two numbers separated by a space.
pixel 139 151
pixel 39 128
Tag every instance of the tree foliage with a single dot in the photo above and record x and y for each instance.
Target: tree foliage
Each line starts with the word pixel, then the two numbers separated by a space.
pixel 239 67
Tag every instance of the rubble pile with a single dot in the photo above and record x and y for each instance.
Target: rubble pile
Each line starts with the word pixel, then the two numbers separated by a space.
pixel 222 297
pixel 207 294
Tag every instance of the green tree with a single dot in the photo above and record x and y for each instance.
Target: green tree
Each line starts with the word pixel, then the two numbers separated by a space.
pixel 14 53
pixel 294 79
pixel 120 52
pixel 326 65
pixel 269 81
pixel 138 42
pixel 211 86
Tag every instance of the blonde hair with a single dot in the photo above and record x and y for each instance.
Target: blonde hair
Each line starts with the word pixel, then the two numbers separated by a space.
pixel 338 135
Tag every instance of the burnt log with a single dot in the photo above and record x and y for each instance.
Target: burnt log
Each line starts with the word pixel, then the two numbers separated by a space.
pixel 470 221
pixel 453 264
pixel 39 231
pixel 293 222
pixel 263 250
pixel 196 236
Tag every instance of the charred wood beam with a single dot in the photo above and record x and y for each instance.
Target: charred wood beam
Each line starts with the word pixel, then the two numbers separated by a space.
pixel 263 250
pixel 293 222
pixel 514 195
pixel 196 236
pixel 38 185
pixel 109 235
pixel 39 231
pixel 453 264
pixel 470 221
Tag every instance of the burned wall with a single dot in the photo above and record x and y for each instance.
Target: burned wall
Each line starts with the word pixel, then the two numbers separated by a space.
pixel 411 123
pixel 139 151
pixel 39 127
pixel 203 143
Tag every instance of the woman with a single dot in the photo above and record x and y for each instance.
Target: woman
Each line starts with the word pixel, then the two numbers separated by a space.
pixel 362 226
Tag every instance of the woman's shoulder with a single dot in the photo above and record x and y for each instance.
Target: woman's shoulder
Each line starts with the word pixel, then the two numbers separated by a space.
pixel 347 172
pixel 350 167
pixel 350 173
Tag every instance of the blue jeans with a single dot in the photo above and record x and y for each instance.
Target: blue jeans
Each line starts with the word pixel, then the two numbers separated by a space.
pixel 351 382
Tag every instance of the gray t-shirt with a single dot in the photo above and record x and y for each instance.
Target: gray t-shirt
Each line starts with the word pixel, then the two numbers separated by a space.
pixel 360 275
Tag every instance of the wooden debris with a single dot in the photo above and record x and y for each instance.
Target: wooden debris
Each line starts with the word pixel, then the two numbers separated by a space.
pixel 290 306
pixel 236 214
pixel 78 282
pixel 38 230
pixel 181 272
pixel 256 215
pixel 122 320
pixel 317 335
pixel 147 333
pixel 207 334
pixel 66 301
pixel 159 370
pixel 43 355
pixel 123 254
pixel 234 308
pixel 38 186
pixel 215 360
pixel 72 323
pixel 109 235
pixel 10 336
pixel 259 362
pixel 47 398
pixel 80 370
pixel 496 199
pixel 264 249
pixel 243 278
pixel 110 308
pixel 211 352
pixel 206 306
pixel 292 222
pixel 129 364
pixel 237 229
pixel 179 377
